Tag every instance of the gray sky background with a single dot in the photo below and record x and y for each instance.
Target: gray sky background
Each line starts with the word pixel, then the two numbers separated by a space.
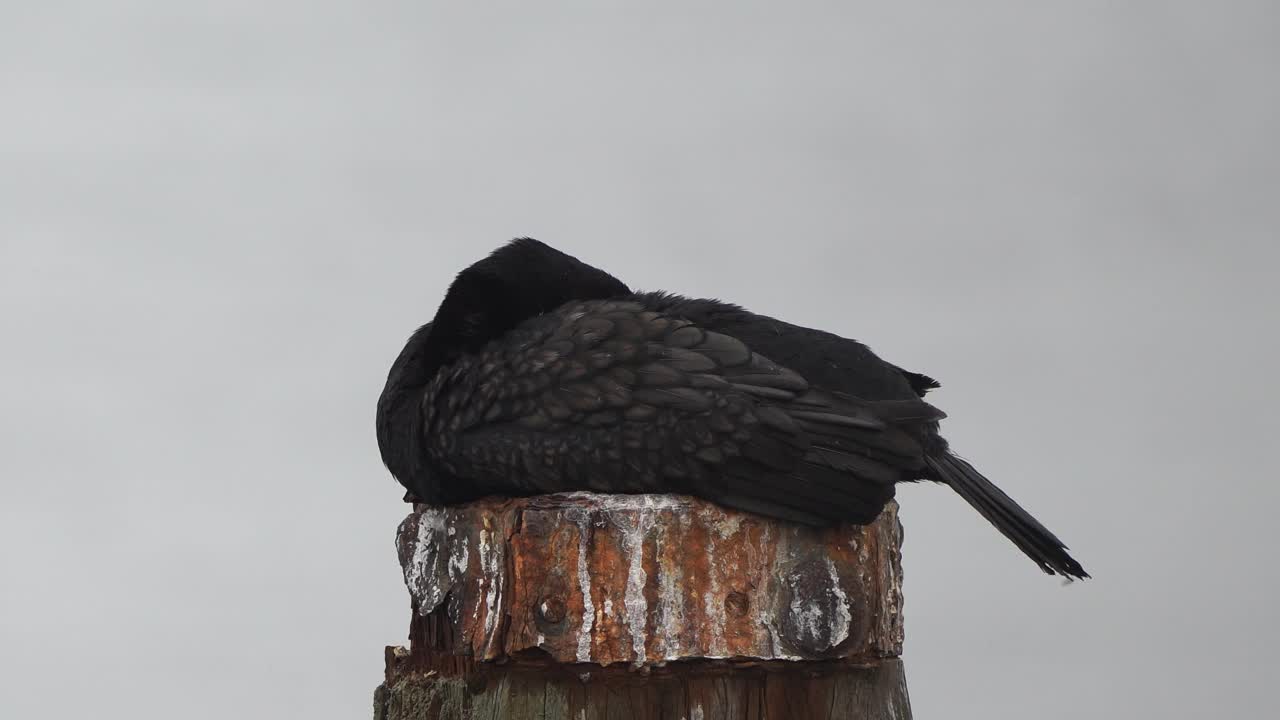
pixel 220 221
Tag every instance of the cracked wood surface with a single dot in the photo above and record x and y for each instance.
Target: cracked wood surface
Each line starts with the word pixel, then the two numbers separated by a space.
pixel 642 581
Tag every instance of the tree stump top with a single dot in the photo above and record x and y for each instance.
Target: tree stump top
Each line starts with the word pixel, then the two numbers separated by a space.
pixel 646 580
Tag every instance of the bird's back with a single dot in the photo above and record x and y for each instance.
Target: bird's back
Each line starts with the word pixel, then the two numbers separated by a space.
pixel 824 359
pixel 614 396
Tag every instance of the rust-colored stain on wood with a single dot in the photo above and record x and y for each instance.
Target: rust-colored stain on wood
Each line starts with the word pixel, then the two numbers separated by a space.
pixel 648 579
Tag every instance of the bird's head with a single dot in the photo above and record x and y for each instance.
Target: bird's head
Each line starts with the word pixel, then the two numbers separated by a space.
pixel 516 282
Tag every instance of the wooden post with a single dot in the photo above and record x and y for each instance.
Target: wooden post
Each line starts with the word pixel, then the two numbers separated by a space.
pixel 644 606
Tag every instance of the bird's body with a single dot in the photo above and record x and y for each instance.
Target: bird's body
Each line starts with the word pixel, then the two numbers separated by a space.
pixel 541 374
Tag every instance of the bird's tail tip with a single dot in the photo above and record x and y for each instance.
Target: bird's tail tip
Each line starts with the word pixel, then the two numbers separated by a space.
pixel 1015 523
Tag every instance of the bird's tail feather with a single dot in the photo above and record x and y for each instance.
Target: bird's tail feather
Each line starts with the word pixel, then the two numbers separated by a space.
pixel 1009 518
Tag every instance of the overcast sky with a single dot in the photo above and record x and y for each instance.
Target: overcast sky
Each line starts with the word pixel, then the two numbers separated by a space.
pixel 220 221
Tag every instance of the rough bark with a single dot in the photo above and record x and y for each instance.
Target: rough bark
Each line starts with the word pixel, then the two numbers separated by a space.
pixel 582 605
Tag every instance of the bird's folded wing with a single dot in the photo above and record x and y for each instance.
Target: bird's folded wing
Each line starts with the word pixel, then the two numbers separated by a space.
pixel 607 396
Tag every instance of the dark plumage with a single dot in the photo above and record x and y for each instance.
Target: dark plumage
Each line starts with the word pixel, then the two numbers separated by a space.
pixel 542 374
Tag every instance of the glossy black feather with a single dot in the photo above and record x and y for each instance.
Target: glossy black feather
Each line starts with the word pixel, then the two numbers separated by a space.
pixel 679 419
pixel 542 374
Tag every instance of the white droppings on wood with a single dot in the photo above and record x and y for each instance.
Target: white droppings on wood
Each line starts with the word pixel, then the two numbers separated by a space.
pixel 624 503
pixel 840 623
pixel 584 586
pixel 766 615
pixel 459 557
pixel 808 617
pixel 696 713
pixel 608 607
pixel 634 600
pixel 422 575
pixel 727 526
pixel 670 613
pixel 459 564
pixel 483 548
pixel 491 564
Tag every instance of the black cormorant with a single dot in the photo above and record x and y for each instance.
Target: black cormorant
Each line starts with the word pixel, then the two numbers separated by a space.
pixel 542 374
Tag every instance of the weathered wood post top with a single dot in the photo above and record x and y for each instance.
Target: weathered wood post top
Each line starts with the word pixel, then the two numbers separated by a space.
pixel 581 605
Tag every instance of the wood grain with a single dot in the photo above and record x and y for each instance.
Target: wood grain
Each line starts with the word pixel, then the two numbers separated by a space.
pixel 778 690
pixel 644 606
